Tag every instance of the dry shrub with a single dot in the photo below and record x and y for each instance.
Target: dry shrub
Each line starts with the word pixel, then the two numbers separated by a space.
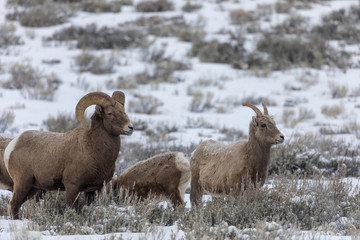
pixel 202 102
pixel 295 24
pixel 162 72
pixel 99 6
pixel 341 25
pixel 332 111
pixel 338 90
pixel 282 7
pixel 32 82
pixel 7 36
pixel 87 62
pixel 285 52
pixel 45 15
pixel 217 52
pixel 241 17
pixel 93 37
pixel 145 104
pixel 171 26
pixel 154 6
pixel 191 7
pixel 63 122
pixel 122 82
pixel 311 155
pixel 6 120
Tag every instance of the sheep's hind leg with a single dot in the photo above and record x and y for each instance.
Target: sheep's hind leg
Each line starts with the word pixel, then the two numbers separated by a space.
pixel 176 198
pixel 196 191
pixel 22 190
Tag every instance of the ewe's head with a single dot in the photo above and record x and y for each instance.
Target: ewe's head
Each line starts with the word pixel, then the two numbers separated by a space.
pixel 110 109
pixel 264 127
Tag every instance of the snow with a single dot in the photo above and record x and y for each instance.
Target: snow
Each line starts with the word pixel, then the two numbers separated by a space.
pixel 229 84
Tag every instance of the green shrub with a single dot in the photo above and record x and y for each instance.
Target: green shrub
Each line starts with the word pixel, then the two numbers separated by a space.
pixel 61 123
pixel 154 6
pixel 103 38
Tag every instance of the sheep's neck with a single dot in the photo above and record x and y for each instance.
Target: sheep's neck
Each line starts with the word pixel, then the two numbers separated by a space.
pixel 259 156
pixel 105 147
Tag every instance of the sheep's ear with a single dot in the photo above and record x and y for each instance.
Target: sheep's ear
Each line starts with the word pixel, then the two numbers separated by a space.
pixel 98 110
pixel 254 120
pixel 119 97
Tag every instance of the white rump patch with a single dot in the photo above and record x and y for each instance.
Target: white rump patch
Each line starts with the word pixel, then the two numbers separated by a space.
pixel 182 163
pixel 8 150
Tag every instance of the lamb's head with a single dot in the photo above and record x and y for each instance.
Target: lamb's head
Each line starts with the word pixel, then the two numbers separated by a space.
pixel 264 127
pixel 110 109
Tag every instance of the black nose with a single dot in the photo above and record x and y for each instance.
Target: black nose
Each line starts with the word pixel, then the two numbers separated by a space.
pixel 282 137
pixel 131 127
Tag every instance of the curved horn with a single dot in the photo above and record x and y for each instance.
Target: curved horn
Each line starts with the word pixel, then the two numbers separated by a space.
pixel 265 109
pixel 257 111
pixel 98 98
pixel 119 97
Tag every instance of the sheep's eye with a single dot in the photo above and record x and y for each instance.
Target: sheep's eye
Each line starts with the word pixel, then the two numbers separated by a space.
pixel 109 114
pixel 263 125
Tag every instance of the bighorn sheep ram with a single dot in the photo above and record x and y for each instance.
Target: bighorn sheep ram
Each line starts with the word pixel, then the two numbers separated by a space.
pixel 218 168
pixel 80 160
pixel 166 174
pixel 6 182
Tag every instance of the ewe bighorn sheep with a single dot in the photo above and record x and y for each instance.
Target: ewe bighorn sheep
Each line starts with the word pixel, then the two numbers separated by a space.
pixel 166 174
pixel 217 168
pixel 80 160
pixel 6 182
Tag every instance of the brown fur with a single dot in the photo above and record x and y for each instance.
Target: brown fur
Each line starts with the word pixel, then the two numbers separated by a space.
pixel 77 161
pixel 219 168
pixel 6 182
pixel 165 174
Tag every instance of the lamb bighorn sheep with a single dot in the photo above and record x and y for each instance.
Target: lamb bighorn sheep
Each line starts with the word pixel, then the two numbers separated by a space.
pixel 218 168
pixel 80 160
pixel 6 182
pixel 166 174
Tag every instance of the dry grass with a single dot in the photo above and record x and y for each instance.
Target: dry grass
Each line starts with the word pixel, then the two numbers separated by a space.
pixel 294 200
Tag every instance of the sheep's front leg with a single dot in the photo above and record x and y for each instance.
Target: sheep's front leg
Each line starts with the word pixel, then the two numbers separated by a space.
pixel 72 196
pixel 89 197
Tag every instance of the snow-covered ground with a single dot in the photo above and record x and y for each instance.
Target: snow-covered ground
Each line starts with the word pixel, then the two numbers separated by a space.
pixel 228 86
